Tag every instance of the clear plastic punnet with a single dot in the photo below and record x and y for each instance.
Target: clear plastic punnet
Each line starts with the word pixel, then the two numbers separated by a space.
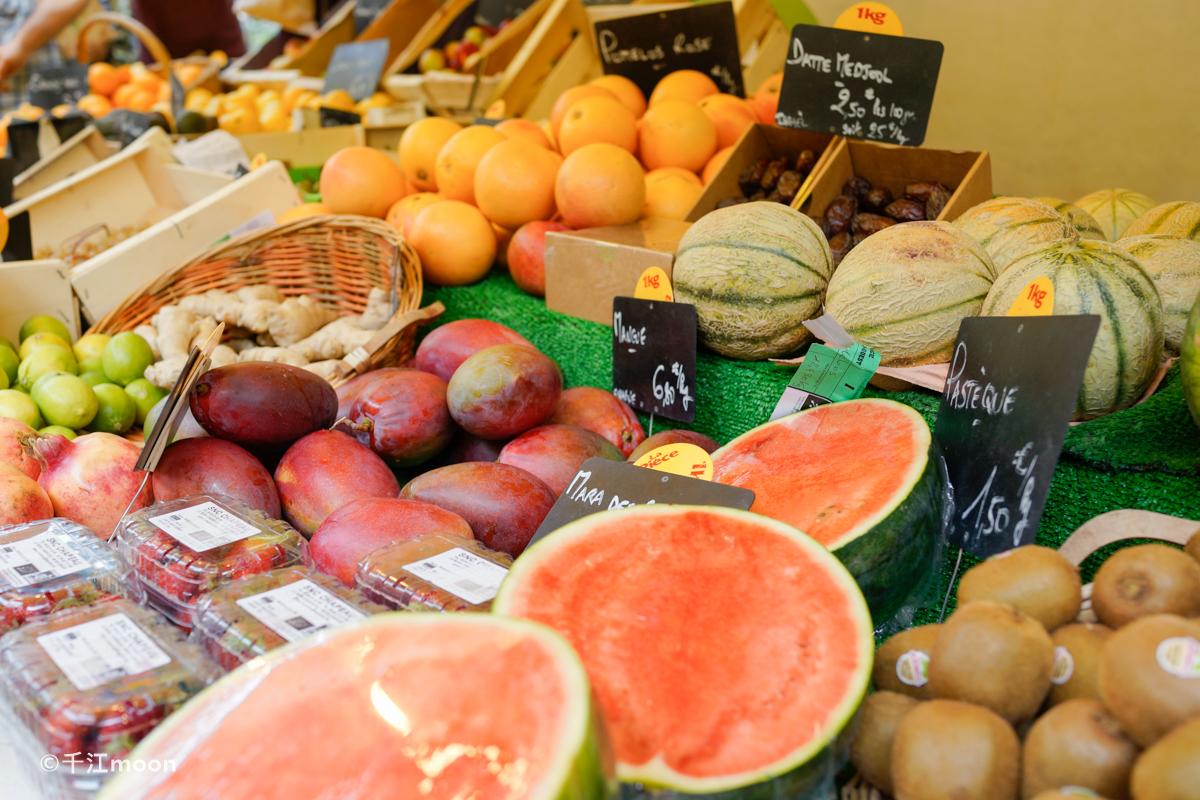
pixel 50 565
pixel 252 616
pixel 83 686
pixel 433 572
pixel 183 549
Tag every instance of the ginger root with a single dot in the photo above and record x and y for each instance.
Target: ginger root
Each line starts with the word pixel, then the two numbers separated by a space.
pixel 297 318
pixel 176 326
pixel 279 355
pixel 334 340
pixel 249 294
pixel 148 333
pixel 379 310
pixel 326 369
pixel 255 315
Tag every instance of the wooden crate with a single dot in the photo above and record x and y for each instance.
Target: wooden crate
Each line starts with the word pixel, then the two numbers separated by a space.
pixel 194 185
pixel 314 58
pixel 32 288
pixel 578 64
pixel 560 52
pixel 310 147
pixel 762 40
pixel 102 282
pixel 432 29
pixel 76 154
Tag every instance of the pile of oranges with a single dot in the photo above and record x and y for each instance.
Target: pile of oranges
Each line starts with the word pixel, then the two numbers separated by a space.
pixel 132 86
pixel 251 109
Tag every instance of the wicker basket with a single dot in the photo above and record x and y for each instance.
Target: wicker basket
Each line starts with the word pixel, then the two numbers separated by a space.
pixel 335 260
pixel 210 68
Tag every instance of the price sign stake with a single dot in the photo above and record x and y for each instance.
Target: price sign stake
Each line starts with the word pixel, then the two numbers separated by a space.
pixel 654 356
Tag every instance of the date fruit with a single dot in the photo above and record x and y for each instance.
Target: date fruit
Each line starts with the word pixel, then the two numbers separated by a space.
pixel 806 161
pixel 857 187
pixel 936 202
pixel 752 176
pixel 866 224
pixel 923 190
pixel 789 184
pixel 906 210
pixel 839 213
pixel 840 245
pixel 877 199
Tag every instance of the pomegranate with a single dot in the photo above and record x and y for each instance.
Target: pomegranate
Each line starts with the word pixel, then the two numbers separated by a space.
pixel 11 451
pixel 21 499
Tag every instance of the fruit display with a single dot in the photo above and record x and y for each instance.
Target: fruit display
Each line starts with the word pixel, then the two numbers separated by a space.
pixel 862 209
pixel 1179 218
pixel 433 572
pixel 1114 209
pixel 1007 227
pixel 773 179
pixel 1174 264
pixel 1084 223
pixel 459 55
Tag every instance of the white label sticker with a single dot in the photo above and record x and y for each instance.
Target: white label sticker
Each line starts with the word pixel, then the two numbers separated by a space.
pixel 794 400
pixel 463 574
pixel 204 527
pixel 299 610
pixel 103 650
pixel 912 668
pixel 1179 656
pixel 1064 666
pixel 37 559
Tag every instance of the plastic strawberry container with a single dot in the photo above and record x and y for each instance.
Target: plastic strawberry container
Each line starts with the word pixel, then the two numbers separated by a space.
pixel 183 549
pixel 433 572
pixel 52 564
pixel 252 616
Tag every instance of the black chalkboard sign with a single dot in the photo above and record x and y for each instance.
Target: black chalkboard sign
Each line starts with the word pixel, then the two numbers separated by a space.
pixel 365 12
pixel 334 117
pixel 646 47
pixel 863 85
pixel 23 143
pixel 52 86
pixel 603 485
pixel 357 67
pixel 654 356
pixel 1012 388
pixel 493 12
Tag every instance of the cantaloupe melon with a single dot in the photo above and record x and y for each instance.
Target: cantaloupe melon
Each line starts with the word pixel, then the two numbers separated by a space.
pixel 1179 218
pixel 755 272
pixel 904 290
pixel 1115 209
pixel 1174 264
pixel 1096 278
pixel 1009 226
pixel 1080 220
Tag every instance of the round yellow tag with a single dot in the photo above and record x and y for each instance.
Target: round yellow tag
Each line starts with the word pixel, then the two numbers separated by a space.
pixel 679 459
pixel 1035 300
pixel 654 285
pixel 870 18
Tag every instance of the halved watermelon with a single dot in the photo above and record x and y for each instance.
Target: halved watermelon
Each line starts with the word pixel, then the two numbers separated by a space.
pixel 431 706
pixel 861 478
pixel 727 650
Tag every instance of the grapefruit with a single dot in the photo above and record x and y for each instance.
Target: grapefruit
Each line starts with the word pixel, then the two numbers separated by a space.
pixel 419 148
pixel 569 98
pixel 600 184
pixel 675 133
pixel 303 210
pixel 714 165
pixel 597 119
pixel 730 115
pixel 514 183
pixel 687 85
pixel 454 169
pixel 670 195
pixel 626 91
pixel 455 242
pixel 766 98
pixel 524 129
pixel 361 180
pixel 401 215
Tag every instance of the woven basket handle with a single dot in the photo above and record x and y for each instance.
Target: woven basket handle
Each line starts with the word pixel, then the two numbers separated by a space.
pixel 146 36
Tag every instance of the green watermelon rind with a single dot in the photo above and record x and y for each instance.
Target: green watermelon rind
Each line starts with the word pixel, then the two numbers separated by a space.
pixel 584 776
pixel 799 770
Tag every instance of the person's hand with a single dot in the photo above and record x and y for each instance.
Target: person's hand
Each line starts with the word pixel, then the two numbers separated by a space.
pixel 12 59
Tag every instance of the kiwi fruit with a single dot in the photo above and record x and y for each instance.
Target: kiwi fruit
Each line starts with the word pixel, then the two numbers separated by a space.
pixel 1170 770
pixel 1192 548
pixel 1143 580
pixel 909 676
pixel 1077 743
pixel 992 655
pixel 1147 678
pixel 1077 651
pixel 1067 793
pixel 947 750
pixel 1037 581
pixel 871 752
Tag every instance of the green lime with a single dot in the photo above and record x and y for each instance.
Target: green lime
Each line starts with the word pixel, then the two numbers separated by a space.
pixel 117 411
pixel 50 358
pixel 191 122
pixel 94 379
pixel 44 322
pixel 3 380
pixel 91 365
pixel 33 389
pixel 90 346
pixel 153 415
pixel 18 405
pixel 146 395
pixel 4 342
pixel 66 400
pixel 41 340
pixel 60 430
pixel 126 357
pixel 9 363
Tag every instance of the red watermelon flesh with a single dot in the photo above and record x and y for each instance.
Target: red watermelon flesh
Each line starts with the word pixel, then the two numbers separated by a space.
pixel 725 649
pixel 420 706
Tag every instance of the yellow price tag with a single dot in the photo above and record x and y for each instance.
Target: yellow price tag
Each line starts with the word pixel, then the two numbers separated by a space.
pixel 1035 300
pixel 679 459
pixel 870 18
pixel 654 285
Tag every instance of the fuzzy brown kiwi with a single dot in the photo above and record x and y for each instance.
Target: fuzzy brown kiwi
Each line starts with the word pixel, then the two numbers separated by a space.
pixel 1143 580
pixel 1077 651
pixel 1068 793
pixel 886 673
pixel 1170 770
pixel 993 655
pixel 947 750
pixel 1192 548
pixel 1077 743
pixel 1138 676
pixel 1037 581
pixel 871 751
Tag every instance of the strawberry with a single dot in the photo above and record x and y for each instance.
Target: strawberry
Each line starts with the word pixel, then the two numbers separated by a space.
pixel 67 725
pixel 253 556
pixel 123 723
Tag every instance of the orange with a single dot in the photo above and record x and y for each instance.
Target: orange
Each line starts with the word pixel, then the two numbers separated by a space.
pixel 163 93
pixel 419 148
pixel 714 165
pixel 239 120
pixel 597 119
pixel 766 98
pixel 274 119
pixel 95 105
pixel 729 115
pixel 524 129
pixel 291 96
pixel 269 96
pixel 569 98
pixel 102 79
pixel 3 222
pixel 362 180
pixel 600 184
pixel 377 100
pixel 301 211
pixel 670 195
pixel 683 84
pixel 455 242
pixel 142 100
pixel 120 97
pixel 188 73
pixel 454 170
pixel 197 99
pixel 338 99
pixel 144 79
pixel 401 215
pixel 503 237
pixel 514 183
pixel 678 172
pixel 124 75
pixel 677 134
pixel 626 91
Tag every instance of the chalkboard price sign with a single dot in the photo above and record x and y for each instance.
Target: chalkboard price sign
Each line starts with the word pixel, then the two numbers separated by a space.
pixel 862 85
pixel 645 47
pixel 603 485
pixel 356 67
pixel 654 356
pixel 52 86
pixel 365 12
pixel 1010 393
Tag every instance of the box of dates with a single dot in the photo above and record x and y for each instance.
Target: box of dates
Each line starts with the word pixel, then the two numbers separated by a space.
pixel 433 572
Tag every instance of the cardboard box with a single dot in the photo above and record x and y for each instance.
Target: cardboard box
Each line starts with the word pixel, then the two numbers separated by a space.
pixel 32 288
pixel 967 173
pixel 759 142
pixel 586 269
